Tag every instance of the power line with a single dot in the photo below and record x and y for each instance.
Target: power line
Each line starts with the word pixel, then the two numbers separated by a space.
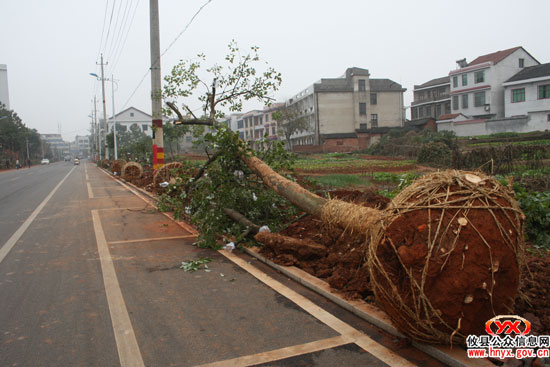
pixel 117 56
pixel 116 29
pixel 110 22
pixel 120 35
pixel 165 51
pixel 103 28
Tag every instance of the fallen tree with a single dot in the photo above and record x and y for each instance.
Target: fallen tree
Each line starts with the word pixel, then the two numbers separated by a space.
pixel 444 258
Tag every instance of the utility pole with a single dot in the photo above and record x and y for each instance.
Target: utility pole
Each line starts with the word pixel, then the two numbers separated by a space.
pixel 104 112
pixel 114 117
pixel 98 129
pixel 156 97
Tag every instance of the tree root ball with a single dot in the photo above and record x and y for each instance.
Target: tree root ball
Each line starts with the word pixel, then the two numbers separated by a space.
pixel 164 173
pixel 116 166
pixel 132 171
pixel 447 256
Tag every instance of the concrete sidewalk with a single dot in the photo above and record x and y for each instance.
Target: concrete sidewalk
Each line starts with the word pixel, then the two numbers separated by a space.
pixel 238 313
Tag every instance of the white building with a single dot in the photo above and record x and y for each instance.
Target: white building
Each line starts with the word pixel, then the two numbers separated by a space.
pixel 81 146
pixel 527 95
pixel 476 88
pixel 4 91
pixel 131 116
pixel 477 92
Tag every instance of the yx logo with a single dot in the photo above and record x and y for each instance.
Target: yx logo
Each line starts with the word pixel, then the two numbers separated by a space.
pixel 507 324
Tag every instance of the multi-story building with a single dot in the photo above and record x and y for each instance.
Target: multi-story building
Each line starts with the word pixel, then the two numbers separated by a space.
pixel 344 111
pixel 527 98
pixel 254 125
pixel 58 147
pixel 476 87
pixel 478 92
pixel 431 99
pixel 81 146
pixel 4 91
pixel 131 116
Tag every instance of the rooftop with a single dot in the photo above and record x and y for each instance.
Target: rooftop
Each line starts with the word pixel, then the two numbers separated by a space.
pixel 494 57
pixel 433 82
pixel 531 72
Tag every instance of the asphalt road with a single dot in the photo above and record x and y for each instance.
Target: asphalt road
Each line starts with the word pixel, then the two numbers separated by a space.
pixel 89 276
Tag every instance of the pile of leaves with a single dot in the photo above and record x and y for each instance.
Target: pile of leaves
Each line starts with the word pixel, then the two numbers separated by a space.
pixel 226 182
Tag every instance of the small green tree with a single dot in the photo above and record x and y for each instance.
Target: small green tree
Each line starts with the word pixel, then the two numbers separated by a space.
pixel 229 182
pixel 289 122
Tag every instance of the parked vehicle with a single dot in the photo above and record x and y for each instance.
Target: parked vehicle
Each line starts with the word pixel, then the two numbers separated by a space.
pixel 45 161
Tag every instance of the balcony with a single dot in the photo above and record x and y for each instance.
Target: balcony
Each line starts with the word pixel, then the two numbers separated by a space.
pixel 431 99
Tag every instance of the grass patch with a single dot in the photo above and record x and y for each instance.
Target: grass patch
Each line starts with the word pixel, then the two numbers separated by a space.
pixel 339 180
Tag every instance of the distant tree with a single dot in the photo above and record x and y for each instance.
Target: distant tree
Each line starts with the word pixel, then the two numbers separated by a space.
pixel 289 122
pixel 14 136
pixel 172 134
pixel 132 144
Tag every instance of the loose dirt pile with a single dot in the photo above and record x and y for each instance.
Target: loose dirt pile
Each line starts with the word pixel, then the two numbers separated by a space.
pixel 342 266
pixel 146 180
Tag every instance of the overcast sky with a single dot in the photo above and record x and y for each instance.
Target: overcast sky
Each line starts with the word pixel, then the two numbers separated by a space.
pixel 50 47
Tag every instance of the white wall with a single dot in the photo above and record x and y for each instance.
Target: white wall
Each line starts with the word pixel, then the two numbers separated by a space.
pixel 4 90
pixel 531 103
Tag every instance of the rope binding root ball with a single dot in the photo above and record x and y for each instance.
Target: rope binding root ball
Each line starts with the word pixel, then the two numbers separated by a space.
pixel 446 255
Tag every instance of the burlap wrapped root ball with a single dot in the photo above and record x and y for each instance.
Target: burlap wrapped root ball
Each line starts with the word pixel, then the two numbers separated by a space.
pixel 447 256
pixel 132 171
pixel 116 166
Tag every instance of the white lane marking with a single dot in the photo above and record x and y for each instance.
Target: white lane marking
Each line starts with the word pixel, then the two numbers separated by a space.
pixel 379 351
pixel 15 178
pixel 17 235
pixel 283 353
pixel 152 239
pixel 90 192
pixel 127 346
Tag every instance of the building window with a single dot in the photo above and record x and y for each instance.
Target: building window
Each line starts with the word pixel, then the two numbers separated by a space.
pixel 266 117
pixel 131 114
pixel 362 85
pixel 465 100
pixel 240 124
pixel 448 107
pixel 362 109
pixel 464 79
pixel 479 76
pixel 241 135
pixel 188 139
pixel 521 63
pixel 479 99
pixel 414 113
pixel 420 96
pixel 455 102
pixel 362 126
pixel 373 98
pixel 145 127
pixel 273 130
pixel 455 82
pixel 374 120
pixel 544 91
pixel 437 110
pixel 518 95
pixel 428 111
pixel 246 123
pixel 420 112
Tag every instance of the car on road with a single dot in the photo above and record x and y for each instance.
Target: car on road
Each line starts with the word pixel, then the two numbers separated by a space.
pixel 76 161
pixel 45 161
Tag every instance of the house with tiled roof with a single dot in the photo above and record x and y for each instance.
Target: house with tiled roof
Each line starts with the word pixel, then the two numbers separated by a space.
pixel 343 111
pixel 477 89
pixel 527 97
pixel 431 99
